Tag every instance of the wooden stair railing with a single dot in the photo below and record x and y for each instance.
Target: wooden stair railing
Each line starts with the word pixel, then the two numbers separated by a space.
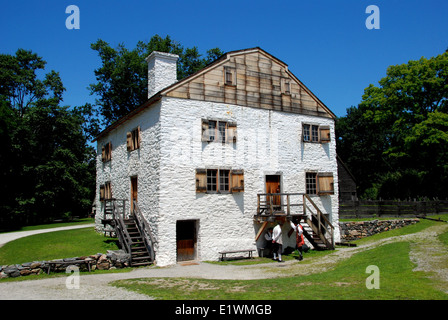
pixel 128 232
pixel 323 230
pixel 145 230
pixel 318 229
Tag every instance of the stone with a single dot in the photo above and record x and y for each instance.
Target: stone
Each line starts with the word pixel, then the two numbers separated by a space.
pixel 25 272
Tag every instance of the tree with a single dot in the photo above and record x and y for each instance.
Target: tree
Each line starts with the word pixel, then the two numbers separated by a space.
pixel 386 139
pixel 46 165
pixel 122 78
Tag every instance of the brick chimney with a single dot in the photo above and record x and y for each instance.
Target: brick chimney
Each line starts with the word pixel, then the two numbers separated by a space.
pixel 162 71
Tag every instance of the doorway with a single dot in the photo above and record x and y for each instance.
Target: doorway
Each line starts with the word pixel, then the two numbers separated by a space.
pixel 134 192
pixel 186 238
pixel 273 186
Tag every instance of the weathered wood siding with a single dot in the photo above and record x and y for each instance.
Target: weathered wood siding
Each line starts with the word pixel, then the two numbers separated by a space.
pixel 259 81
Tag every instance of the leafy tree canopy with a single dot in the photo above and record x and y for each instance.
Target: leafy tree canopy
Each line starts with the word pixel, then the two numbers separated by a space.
pixel 123 76
pixel 395 140
pixel 46 166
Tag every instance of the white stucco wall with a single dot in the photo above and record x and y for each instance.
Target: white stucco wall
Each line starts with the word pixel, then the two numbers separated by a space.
pixel 143 163
pixel 269 142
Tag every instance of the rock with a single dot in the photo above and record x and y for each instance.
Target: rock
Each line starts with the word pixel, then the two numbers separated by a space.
pixel 12 271
pixel 25 272
pixel 35 264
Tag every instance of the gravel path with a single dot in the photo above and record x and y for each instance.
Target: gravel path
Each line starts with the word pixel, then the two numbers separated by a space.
pixel 426 251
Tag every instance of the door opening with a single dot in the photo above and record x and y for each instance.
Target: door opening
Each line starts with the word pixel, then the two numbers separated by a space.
pixel 273 186
pixel 134 192
pixel 186 237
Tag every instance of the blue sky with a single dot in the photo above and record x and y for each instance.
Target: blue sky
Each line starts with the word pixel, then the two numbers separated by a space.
pixel 325 43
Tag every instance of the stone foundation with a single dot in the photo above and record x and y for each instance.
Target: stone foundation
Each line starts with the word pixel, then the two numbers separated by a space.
pixel 354 230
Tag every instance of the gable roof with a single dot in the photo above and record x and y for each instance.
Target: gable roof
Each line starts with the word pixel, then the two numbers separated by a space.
pixel 260 79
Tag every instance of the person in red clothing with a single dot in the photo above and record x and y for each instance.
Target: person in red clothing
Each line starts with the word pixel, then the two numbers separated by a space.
pixel 300 241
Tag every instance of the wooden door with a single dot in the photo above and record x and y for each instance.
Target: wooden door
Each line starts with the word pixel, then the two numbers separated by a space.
pixel 134 192
pixel 273 186
pixel 186 239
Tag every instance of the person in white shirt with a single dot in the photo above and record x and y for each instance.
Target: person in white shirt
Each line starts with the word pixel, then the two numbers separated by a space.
pixel 278 241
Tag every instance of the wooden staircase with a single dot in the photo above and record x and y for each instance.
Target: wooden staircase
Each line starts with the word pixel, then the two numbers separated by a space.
pixel 140 255
pixel 317 229
pixel 132 231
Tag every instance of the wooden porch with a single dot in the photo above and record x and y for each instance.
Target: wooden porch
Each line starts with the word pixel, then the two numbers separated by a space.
pixel 298 207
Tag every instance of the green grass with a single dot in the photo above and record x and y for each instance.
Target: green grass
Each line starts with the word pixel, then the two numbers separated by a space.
pixel 55 245
pixel 346 281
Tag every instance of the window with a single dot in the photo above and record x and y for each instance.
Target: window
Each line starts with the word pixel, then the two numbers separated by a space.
pixel 133 139
pixel 105 191
pixel 211 130
pixel 106 152
pixel 211 180
pixel 230 76
pixel 315 133
pixel 219 180
pixel 319 183
pixel 218 131
pixel 311 183
pixel 224 183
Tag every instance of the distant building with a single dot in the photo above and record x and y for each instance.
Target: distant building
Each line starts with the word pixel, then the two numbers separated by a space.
pixel 347 183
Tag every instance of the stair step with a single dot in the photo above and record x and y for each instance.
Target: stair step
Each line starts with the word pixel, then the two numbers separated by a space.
pixel 141 258
pixel 141 264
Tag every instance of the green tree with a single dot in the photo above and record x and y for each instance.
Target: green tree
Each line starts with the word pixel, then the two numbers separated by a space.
pixel 46 165
pixel 394 140
pixel 123 76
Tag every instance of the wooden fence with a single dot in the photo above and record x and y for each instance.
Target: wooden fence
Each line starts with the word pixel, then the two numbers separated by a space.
pixel 390 208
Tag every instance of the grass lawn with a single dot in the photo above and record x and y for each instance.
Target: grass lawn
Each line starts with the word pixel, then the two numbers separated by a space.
pixel 55 245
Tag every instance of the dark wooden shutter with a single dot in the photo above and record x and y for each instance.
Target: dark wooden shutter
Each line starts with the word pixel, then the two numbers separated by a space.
pixel 324 134
pixel 325 183
pixel 102 192
pixel 231 132
pixel 201 180
pixel 205 136
pixel 237 181
pixel 129 141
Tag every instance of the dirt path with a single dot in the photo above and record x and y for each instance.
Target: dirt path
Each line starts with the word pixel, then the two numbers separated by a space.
pixel 426 251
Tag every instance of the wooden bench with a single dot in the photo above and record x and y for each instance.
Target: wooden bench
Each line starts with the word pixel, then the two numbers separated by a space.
pixel 224 253
pixel 69 263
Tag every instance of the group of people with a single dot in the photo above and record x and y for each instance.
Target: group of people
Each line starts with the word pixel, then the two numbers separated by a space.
pixel 274 240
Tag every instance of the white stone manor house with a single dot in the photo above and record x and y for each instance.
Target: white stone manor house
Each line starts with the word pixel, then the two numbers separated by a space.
pixel 214 159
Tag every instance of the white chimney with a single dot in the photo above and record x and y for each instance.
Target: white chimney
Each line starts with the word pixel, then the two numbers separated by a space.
pixel 162 71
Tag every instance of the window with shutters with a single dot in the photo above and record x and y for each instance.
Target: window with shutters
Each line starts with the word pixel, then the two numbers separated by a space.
pixel 133 139
pixel 321 183
pixel 106 152
pixel 218 131
pixel 219 181
pixel 315 133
